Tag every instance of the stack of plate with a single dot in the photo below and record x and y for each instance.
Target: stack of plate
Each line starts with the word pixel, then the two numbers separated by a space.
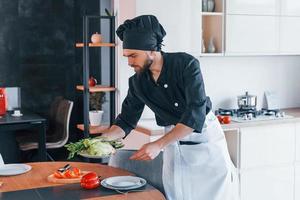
pixel 123 182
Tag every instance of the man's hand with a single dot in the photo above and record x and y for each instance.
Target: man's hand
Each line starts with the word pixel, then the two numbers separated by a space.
pixel 147 152
pixel 114 132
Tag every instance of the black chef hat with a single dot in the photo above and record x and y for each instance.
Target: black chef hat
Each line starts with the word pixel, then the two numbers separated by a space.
pixel 142 33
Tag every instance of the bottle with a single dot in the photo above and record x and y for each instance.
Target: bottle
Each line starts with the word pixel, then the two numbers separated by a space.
pixel 211 46
pixel 204 5
pixel 203 47
pixel 210 5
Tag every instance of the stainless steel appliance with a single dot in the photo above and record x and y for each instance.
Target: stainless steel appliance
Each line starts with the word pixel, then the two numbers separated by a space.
pixel 247 101
pixel 252 114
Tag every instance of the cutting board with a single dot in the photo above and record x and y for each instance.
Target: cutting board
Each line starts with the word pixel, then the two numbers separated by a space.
pixel 51 178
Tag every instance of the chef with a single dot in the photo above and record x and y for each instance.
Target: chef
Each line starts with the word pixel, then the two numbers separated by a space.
pixel 196 163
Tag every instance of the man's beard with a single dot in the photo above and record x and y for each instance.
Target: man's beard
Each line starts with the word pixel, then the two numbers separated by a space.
pixel 147 65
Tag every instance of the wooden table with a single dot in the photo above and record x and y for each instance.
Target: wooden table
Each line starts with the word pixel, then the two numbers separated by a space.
pixel 37 178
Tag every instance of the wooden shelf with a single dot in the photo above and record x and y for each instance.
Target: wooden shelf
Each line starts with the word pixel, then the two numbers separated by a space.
pixel 93 129
pixel 211 54
pixel 80 45
pixel 212 13
pixel 97 88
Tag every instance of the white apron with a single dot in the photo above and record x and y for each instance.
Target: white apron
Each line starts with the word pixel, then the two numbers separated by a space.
pixel 200 171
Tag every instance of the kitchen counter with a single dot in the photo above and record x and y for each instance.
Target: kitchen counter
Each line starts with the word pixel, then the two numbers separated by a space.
pixel 294 112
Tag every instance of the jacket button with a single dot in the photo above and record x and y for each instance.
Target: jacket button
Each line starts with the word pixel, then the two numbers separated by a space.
pixel 176 104
pixel 165 85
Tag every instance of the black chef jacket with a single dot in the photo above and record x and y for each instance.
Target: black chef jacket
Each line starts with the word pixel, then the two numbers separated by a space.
pixel 178 95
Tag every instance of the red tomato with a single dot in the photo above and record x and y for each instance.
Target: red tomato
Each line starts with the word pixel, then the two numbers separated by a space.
pixel 90 185
pixel 71 174
pixel 226 119
pixel 220 118
pixel 58 175
pixel 76 171
pixel 90 181
pixel 92 81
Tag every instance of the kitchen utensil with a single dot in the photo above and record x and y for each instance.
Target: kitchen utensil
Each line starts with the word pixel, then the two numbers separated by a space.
pixel 86 155
pixel 211 48
pixel 272 100
pixel 247 101
pixel 17 113
pixel 123 182
pixel 211 5
pixel 63 169
pixel 204 6
pixel 14 169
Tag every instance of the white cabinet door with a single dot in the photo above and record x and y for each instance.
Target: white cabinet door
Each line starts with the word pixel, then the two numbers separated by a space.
pixel 256 35
pixel 290 7
pixel 289 35
pixel 298 142
pixel 267 145
pixel 180 19
pixel 268 184
pixel 297 182
pixel 256 7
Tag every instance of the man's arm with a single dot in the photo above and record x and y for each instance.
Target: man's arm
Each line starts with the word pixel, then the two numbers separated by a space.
pixel 151 150
pixel 114 132
pixel 132 108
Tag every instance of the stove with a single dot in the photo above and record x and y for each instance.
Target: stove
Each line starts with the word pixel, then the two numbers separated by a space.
pixel 252 114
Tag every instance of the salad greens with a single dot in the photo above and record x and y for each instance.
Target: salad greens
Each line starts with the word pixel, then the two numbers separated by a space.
pixel 97 146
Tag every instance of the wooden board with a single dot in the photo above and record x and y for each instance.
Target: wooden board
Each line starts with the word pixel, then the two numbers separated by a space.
pixel 51 178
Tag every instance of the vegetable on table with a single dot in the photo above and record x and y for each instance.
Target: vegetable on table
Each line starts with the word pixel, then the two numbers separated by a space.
pixel 97 146
pixel 90 181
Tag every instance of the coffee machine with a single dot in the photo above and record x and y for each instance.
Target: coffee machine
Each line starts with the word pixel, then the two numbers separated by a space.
pixel 3 102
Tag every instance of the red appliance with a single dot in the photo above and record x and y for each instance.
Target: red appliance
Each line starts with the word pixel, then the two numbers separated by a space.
pixel 3 102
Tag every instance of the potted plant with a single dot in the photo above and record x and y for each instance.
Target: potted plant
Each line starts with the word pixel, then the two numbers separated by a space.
pixel 95 113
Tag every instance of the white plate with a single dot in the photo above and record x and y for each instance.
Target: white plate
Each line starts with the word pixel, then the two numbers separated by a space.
pixel 14 169
pixel 123 182
pixel 92 156
pixel 14 115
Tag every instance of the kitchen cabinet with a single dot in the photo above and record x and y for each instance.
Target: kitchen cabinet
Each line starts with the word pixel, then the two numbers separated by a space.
pixel 267 145
pixel 253 7
pixel 289 35
pixel 258 27
pixel 297 181
pixel 267 158
pixel 297 142
pixel 212 30
pixel 252 34
pixel 290 7
pixel 268 184
pixel 180 19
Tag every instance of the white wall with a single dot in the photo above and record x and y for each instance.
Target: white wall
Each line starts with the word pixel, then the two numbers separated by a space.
pixel 227 77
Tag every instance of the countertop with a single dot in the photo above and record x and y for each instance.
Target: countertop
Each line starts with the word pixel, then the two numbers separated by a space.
pixel 149 127
pixel 294 112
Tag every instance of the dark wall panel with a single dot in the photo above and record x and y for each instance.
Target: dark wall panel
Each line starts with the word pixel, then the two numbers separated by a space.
pixel 38 54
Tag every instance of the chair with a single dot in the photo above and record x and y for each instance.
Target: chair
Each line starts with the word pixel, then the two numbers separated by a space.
pixel 149 170
pixel 58 133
